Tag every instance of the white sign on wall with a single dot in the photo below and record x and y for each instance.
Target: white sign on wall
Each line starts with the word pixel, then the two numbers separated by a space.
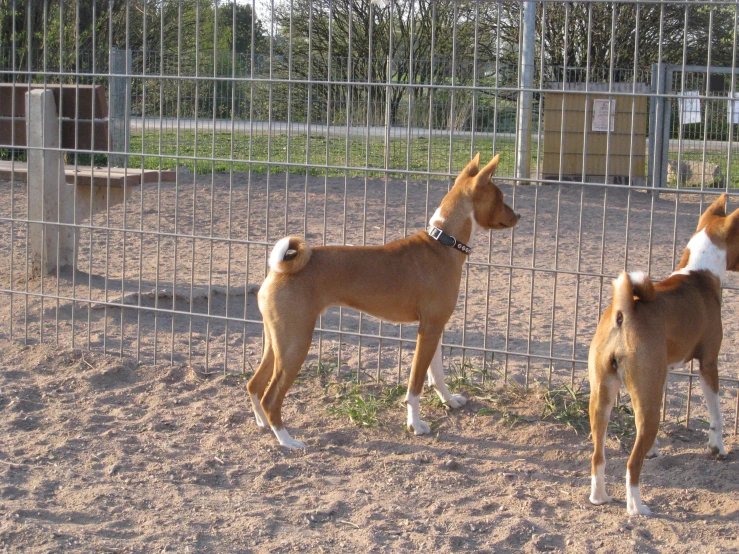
pixel 690 108
pixel 733 115
pixel 604 111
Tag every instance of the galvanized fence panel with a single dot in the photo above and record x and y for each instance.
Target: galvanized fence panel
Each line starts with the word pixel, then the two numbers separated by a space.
pixel 344 122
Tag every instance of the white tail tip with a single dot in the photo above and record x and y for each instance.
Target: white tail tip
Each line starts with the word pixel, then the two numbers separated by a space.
pixel 278 254
pixel 638 277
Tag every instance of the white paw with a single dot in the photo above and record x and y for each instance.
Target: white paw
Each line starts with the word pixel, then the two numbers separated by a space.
pixel 654 453
pixel 640 510
pixel 292 443
pixel 717 451
pixel 420 428
pixel 599 498
pixel 456 401
pixel 286 440
pixel 261 421
pixel 716 445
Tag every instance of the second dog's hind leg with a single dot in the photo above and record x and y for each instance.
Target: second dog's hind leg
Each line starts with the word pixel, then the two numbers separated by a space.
pixel 602 396
pixel 646 416
pixel 436 377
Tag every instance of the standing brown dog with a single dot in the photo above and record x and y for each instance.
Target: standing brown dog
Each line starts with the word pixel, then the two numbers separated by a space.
pixel 650 327
pixel 412 279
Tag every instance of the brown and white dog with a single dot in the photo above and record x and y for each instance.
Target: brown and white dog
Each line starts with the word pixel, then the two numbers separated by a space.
pixel 412 279
pixel 651 327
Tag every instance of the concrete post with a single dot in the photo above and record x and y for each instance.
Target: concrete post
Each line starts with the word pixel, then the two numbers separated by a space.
pixel 51 199
pixel 526 98
pixel 119 105
pixel 666 124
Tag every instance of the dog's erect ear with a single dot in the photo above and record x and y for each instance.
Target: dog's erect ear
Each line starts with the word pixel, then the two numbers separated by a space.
pixel 717 208
pixel 731 227
pixel 489 170
pixel 732 221
pixel 472 168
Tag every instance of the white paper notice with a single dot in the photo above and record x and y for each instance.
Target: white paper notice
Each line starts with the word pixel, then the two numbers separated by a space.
pixel 733 115
pixel 690 108
pixel 603 112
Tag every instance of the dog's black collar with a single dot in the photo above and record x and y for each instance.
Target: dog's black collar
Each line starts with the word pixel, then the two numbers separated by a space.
pixel 448 240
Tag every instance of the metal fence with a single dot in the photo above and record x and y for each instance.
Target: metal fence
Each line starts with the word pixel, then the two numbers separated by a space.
pixel 344 122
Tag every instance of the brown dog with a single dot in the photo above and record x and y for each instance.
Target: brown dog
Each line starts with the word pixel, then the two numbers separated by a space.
pixel 650 327
pixel 412 279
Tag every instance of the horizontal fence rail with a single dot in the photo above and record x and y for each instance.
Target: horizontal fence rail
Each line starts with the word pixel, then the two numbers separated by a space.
pixel 140 223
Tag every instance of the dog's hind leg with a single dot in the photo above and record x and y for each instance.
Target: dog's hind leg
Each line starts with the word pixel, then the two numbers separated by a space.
pixel 436 377
pixel 428 339
pixel 602 397
pixel 290 349
pixel 709 385
pixel 646 415
pixel 259 380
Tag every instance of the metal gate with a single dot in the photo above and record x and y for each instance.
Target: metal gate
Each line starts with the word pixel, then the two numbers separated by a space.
pixel 230 125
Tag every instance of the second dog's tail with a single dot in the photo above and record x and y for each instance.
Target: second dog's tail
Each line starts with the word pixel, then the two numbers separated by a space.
pixel 290 255
pixel 628 286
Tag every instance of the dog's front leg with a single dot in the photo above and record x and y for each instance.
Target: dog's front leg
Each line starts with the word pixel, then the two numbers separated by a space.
pixel 436 377
pixel 428 338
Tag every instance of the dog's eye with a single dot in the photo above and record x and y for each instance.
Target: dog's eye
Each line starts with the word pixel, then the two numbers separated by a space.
pixel 614 364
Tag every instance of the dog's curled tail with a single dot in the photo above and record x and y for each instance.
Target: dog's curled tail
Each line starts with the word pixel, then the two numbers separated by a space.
pixel 643 286
pixel 290 255
pixel 628 286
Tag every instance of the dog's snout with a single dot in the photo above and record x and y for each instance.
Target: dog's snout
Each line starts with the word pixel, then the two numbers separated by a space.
pixel 518 214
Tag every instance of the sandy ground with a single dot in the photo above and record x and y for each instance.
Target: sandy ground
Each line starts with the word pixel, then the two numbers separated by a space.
pixel 114 455
pixel 101 454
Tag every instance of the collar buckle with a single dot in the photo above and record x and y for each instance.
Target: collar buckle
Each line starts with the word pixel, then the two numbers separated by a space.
pixel 434 232
pixel 447 240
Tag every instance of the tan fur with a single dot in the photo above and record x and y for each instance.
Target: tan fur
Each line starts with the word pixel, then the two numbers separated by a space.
pixel 412 279
pixel 648 328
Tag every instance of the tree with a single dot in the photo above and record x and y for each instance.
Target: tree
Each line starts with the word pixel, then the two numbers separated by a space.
pixel 315 38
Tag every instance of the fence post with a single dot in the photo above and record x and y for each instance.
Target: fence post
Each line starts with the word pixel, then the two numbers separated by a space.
pixel 119 104
pixel 666 122
pixel 655 131
pixel 50 198
pixel 526 97
pixel 659 127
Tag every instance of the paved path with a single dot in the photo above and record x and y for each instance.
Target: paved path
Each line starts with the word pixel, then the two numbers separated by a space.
pixel 281 127
pixel 377 131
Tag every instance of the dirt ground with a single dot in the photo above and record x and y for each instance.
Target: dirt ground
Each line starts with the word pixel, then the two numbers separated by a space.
pixel 102 453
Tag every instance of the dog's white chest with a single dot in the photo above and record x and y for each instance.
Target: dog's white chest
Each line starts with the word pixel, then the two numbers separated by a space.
pixel 705 255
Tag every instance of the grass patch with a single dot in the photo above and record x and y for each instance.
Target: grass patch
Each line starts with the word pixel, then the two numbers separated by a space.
pixel 467 377
pixel 358 406
pixel 621 426
pixel 511 419
pixel 567 406
pixel 361 404
pixel 244 153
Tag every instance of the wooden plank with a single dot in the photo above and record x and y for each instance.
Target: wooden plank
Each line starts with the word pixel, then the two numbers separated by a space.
pixel 131 176
pixel 77 103
pixel 567 132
